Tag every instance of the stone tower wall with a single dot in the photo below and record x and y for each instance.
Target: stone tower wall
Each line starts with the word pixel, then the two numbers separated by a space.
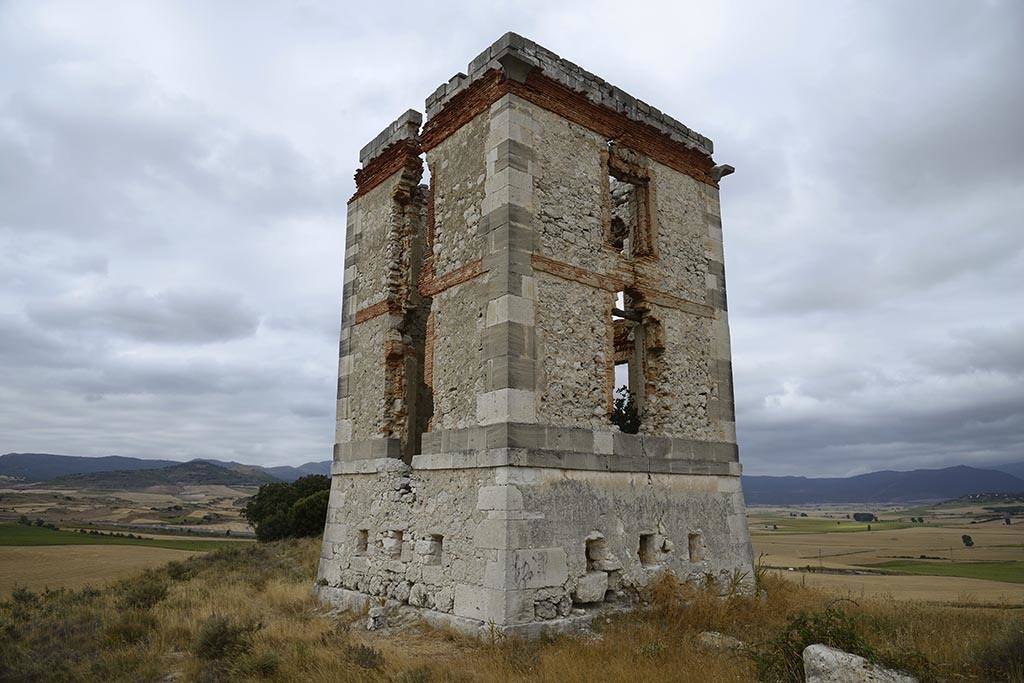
pixel 477 474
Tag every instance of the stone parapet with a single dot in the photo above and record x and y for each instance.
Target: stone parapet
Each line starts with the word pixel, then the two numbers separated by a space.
pixel 512 46
pixel 405 127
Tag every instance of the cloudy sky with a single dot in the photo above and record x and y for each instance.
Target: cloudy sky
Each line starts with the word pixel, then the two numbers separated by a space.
pixel 173 179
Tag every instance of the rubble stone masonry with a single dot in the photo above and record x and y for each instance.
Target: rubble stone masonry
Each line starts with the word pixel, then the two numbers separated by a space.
pixel 478 477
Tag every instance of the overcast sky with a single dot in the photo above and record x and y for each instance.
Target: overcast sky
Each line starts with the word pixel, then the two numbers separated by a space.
pixel 173 179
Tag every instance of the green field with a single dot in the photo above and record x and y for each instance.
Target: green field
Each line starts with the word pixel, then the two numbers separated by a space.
pixel 1008 572
pixel 19 534
pixel 815 525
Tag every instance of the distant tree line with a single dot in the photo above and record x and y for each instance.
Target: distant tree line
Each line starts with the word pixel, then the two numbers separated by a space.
pixel 282 510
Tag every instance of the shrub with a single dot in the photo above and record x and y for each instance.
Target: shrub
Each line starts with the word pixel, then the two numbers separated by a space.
pixel 624 411
pixel 420 674
pixel 179 571
pixel 131 627
pixel 262 665
pixel 143 592
pixel 1003 657
pixel 781 659
pixel 365 656
pixel 24 520
pixel 221 637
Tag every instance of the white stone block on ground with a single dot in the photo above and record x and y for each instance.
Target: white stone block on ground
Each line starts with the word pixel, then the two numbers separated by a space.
pixel 823 664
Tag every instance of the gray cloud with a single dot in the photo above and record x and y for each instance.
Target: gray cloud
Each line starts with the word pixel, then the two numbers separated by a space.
pixel 174 316
pixel 173 187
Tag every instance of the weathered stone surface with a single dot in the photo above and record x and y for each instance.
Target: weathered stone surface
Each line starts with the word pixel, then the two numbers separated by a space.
pixel 376 618
pixel 591 587
pixel 823 664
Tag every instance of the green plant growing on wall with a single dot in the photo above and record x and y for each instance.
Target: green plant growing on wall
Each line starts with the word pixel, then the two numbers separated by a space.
pixel 624 411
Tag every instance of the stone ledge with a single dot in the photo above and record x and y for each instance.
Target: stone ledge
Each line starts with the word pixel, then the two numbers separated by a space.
pixel 578 440
pixel 595 89
pixel 369 466
pixel 571 460
pixel 368 449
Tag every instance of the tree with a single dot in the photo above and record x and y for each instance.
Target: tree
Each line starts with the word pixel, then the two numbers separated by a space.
pixel 624 411
pixel 308 514
pixel 968 541
pixel 275 511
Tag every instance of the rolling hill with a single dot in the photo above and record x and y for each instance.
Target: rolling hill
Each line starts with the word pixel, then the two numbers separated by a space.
pixel 36 467
pixel 879 487
pixel 44 466
pixel 288 473
pixel 1014 468
pixel 179 474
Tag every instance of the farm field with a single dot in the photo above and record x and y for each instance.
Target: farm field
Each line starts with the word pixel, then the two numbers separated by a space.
pixel 897 558
pixel 77 566
pixel 209 509
pixel 36 557
pixel 21 535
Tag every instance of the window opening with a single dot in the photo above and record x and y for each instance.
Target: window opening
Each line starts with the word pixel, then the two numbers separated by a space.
pixel 627 324
pixel 362 541
pixel 696 548
pixel 649 550
pixel 392 544
pixel 629 230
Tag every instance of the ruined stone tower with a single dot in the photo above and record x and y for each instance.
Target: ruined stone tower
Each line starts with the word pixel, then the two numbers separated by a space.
pixel 567 228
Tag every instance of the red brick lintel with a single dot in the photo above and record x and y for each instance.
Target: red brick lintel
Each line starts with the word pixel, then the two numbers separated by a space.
pixel 437 284
pixel 377 309
pixel 612 283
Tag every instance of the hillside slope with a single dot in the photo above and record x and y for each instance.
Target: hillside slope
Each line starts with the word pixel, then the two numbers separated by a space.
pixel 879 487
pixel 1014 468
pixel 192 473
pixel 43 466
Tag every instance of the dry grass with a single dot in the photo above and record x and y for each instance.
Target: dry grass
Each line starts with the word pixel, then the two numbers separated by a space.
pixel 247 614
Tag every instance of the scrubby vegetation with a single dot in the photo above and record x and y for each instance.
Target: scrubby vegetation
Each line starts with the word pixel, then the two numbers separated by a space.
pixel 294 510
pixel 246 613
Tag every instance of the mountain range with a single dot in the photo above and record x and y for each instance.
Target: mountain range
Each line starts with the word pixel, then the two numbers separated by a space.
pixel 37 467
pixel 881 487
pixel 875 487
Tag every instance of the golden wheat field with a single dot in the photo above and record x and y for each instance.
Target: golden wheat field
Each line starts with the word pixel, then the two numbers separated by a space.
pixel 75 566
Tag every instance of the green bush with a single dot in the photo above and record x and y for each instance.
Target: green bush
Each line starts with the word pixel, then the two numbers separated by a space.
pixel 781 658
pixel 262 665
pixel 221 637
pixel 365 656
pixel 180 571
pixel 143 592
pixel 1002 658
pixel 624 411
pixel 132 626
